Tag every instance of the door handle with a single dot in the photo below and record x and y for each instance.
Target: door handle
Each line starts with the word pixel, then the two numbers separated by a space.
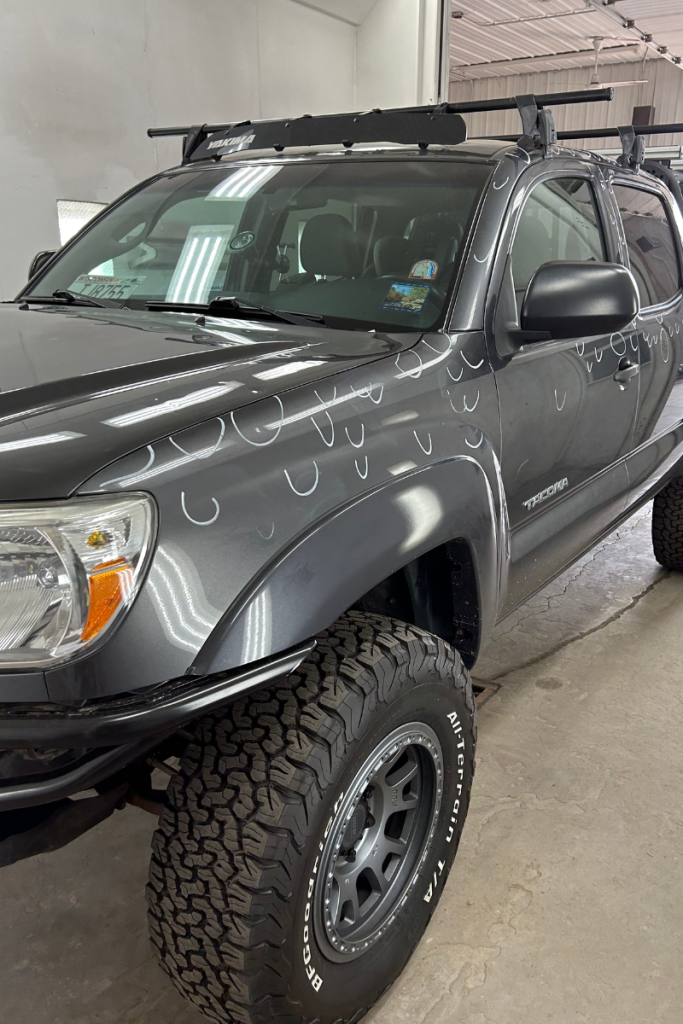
pixel 626 372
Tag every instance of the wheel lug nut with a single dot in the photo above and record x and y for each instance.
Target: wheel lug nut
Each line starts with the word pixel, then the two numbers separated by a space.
pixel 370 821
pixel 368 792
pixel 351 856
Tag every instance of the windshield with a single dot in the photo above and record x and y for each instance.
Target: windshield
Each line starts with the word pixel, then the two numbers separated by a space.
pixel 362 243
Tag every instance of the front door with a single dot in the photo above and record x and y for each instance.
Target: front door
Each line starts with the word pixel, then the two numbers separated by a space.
pixel 565 419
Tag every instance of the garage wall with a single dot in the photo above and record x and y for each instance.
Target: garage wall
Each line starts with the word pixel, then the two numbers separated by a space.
pixel 82 80
pixel 664 90
pixel 397 54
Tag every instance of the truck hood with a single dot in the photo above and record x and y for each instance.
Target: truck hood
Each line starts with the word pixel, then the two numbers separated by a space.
pixel 81 387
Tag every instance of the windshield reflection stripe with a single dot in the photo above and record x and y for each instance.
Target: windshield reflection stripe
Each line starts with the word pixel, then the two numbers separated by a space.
pixel 173 405
pixel 34 442
pixel 173 295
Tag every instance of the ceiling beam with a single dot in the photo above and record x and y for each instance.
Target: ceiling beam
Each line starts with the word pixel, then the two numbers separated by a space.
pixel 509 66
pixel 608 9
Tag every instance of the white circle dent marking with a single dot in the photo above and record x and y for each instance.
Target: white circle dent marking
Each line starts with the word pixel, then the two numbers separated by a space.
pixel 427 451
pixel 427 345
pixel 304 494
pixel 486 257
pixel 465 406
pixel 362 436
pixel 137 472
pixel 619 335
pixel 634 342
pixel 583 346
pixel 598 358
pixel 472 366
pixel 502 184
pixel 589 365
pixel 666 345
pixel 678 328
pixel 262 444
pixel 363 476
pixel 323 403
pixel 367 392
pixel 266 536
pixel 660 319
pixel 415 373
pixel 200 522
pixel 522 152
pixel 203 453
pixel 455 379
pixel 557 404
pixel 481 441
pixel 329 418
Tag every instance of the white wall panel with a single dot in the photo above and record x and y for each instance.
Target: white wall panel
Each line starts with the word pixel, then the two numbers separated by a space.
pixel 396 51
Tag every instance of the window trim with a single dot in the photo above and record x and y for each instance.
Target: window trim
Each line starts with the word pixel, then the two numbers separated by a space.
pixel 605 235
pixel 526 183
pixel 646 186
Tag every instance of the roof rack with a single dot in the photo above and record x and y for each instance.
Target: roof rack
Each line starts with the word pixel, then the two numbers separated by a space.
pixel 609 133
pixel 421 126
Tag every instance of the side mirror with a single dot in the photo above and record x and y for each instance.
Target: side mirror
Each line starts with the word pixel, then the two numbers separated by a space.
pixel 575 300
pixel 39 261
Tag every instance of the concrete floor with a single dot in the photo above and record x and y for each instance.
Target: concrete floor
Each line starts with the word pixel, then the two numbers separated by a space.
pixel 566 900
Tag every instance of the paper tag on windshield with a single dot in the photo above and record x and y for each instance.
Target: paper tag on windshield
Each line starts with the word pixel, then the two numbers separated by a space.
pixel 406 298
pixel 425 269
pixel 100 286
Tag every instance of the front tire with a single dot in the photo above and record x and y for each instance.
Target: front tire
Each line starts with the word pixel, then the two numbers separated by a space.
pixel 667 525
pixel 309 833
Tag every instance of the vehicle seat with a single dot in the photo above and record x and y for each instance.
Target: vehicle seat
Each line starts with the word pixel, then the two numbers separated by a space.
pixel 392 256
pixel 329 247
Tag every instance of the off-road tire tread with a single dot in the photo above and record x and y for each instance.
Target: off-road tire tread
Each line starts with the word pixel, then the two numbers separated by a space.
pixel 667 525
pixel 231 835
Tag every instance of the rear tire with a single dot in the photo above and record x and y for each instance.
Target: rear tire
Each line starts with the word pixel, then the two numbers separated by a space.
pixel 667 525
pixel 309 833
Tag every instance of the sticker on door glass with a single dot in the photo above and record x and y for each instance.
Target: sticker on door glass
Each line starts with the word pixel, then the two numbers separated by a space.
pixel 100 286
pixel 406 298
pixel 425 269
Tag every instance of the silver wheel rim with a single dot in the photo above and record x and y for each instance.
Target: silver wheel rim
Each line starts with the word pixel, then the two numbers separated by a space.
pixel 377 841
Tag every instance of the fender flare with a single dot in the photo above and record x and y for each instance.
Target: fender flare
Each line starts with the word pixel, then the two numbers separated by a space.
pixel 356 547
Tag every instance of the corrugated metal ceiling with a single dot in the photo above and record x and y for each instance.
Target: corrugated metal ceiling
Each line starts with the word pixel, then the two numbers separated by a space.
pixel 547 35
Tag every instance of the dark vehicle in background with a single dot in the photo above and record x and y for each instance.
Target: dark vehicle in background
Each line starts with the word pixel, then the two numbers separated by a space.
pixel 283 433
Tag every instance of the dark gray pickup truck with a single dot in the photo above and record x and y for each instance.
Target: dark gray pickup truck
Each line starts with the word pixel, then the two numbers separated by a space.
pixel 283 433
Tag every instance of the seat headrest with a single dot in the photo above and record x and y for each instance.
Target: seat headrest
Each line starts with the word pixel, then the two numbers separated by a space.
pixel 391 255
pixel 329 247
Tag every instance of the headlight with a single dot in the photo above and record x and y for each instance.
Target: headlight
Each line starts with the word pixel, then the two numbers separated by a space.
pixel 68 572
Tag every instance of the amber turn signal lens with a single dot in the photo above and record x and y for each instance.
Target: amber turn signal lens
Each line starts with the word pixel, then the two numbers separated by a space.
pixel 109 585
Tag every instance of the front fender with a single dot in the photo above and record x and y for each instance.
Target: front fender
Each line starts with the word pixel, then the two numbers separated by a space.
pixel 357 547
pixel 274 517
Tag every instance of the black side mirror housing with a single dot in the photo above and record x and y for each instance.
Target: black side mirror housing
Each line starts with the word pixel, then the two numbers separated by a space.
pixel 575 300
pixel 39 261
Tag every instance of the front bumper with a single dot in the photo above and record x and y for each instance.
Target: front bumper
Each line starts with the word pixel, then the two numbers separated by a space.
pixel 114 732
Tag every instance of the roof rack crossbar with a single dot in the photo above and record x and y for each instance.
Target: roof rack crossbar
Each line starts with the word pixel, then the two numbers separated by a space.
pixel 551 99
pixel 424 125
pixel 606 133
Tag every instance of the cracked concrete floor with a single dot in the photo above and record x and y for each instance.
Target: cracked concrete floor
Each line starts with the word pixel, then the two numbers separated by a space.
pixel 564 904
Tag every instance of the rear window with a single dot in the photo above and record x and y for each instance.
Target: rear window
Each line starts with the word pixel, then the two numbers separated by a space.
pixel 652 250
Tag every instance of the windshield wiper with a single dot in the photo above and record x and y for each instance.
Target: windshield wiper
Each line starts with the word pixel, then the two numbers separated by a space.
pixel 66 298
pixel 229 306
